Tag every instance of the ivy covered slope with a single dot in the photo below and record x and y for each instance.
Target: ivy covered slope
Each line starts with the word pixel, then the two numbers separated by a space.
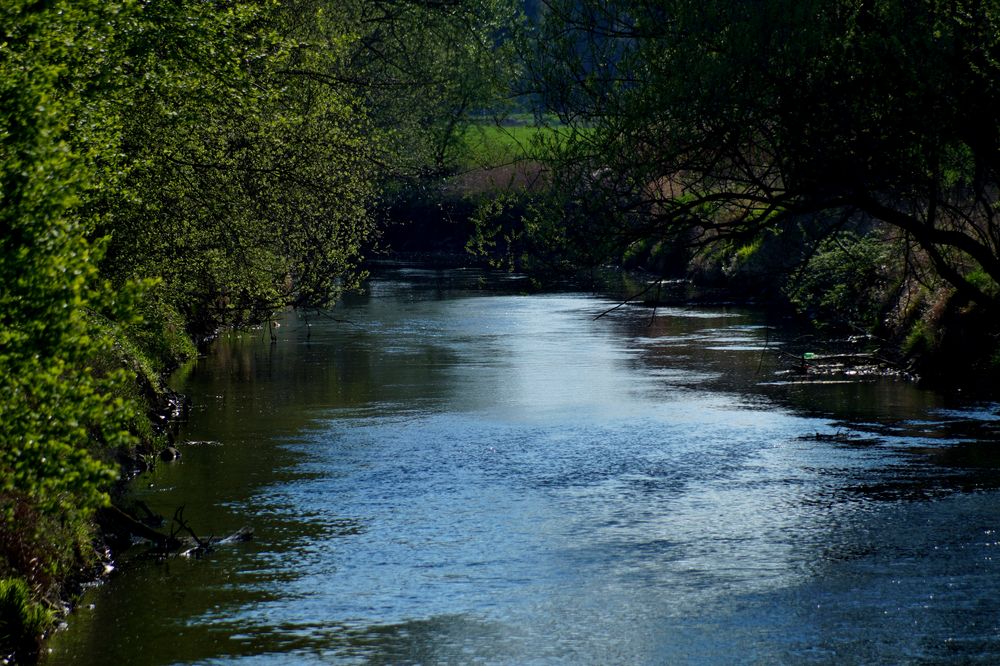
pixel 170 168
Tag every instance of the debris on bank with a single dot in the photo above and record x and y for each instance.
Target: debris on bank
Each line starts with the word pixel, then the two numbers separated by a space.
pixel 850 364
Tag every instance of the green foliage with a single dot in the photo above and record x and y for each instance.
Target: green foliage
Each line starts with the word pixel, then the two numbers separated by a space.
pixel 53 405
pixel 428 70
pixel 255 151
pixel 746 252
pixel 58 414
pixel 167 168
pixel 920 340
pixel 159 333
pixel 497 222
pixel 983 281
pixel 843 284
pixel 247 189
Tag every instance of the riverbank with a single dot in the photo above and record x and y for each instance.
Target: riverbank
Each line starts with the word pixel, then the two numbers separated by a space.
pixel 636 287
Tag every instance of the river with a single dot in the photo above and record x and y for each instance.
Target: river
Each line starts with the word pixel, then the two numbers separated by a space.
pixel 445 472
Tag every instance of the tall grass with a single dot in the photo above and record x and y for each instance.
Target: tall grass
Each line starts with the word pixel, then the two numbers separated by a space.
pixel 22 621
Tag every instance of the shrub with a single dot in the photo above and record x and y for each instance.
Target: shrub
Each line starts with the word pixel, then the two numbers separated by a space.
pixel 844 283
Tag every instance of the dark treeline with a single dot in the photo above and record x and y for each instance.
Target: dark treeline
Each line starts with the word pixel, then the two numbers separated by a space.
pixel 172 167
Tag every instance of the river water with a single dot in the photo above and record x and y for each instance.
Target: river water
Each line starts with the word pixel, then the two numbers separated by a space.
pixel 447 473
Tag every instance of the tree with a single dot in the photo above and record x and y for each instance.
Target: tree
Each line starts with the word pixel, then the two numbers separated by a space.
pixel 257 137
pixel 722 119
pixel 426 70
pixel 247 189
pixel 52 403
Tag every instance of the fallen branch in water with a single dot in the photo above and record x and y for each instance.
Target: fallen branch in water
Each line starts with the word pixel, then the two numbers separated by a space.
pixel 119 521
pixel 630 299
pixel 203 547
pixel 116 520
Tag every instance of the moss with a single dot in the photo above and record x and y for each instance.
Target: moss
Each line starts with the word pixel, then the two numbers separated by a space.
pixel 984 282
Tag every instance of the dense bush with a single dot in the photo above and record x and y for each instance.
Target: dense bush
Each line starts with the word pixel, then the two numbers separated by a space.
pixel 843 285
pixel 54 411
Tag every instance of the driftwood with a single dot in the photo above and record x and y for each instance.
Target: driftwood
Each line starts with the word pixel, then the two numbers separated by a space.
pixel 151 519
pixel 197 546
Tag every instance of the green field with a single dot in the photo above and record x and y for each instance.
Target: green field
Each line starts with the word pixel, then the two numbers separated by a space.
pixel 488 144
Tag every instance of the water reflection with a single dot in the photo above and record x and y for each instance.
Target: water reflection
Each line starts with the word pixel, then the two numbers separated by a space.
pixel 447 474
